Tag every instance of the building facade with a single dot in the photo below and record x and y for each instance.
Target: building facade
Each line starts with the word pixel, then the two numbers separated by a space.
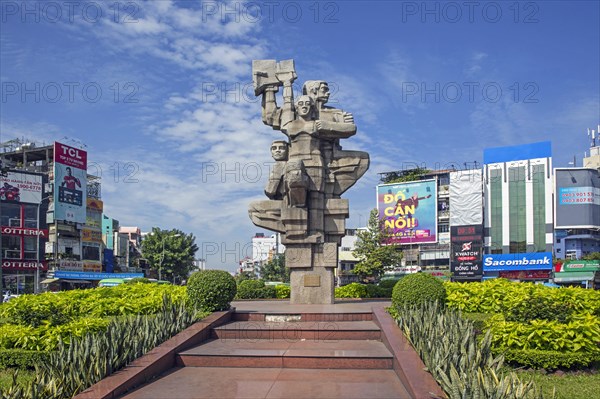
pixel 518 217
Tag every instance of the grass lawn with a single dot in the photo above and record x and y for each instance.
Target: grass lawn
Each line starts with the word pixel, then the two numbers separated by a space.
pixel 6 377
pixel 571 385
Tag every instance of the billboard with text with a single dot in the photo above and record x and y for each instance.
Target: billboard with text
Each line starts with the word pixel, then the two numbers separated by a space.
pixel 409 211
pixel 21 187
pixel 577 198
pixel 70 183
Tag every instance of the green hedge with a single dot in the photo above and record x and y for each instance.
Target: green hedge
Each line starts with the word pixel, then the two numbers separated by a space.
pixel 255 289
pixel 352 290
pixel 283 291
pixel 211 290
pixel 549 360
pixel 418 288
pixel 21 358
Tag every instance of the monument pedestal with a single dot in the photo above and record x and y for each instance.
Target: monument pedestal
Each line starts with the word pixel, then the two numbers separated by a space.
pixel 312 285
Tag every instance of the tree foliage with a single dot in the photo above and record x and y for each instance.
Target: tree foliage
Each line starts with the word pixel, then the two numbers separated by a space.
pixel 375 255
pixel 275 270
pixel 404 176
pixel 592 256
pixel 177 257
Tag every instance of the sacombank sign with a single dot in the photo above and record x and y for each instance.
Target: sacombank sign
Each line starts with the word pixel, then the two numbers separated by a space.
pixel 526 261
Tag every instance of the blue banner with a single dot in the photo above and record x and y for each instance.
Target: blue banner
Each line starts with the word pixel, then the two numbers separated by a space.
pixel 526 261
pixel 93 276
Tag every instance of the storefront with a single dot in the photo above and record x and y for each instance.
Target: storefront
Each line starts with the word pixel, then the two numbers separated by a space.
pixel 533 266
pixel 579 273
pixel 23 233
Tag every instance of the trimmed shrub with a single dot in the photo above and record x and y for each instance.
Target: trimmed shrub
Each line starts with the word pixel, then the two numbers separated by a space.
pixel 137 280
pixel 374 291
pixel 548 359
pixel 255 289
pixel 283 291
pixel 388 283
pixel 352 290
pixel 418 288
pixel 211 290
pixel 21 358
pixel 540 308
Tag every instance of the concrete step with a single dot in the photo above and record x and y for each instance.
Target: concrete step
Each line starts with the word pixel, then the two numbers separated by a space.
pixel 309 354
pixel 301 316
pixel 296 331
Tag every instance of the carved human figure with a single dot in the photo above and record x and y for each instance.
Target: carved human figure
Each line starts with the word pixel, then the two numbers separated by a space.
pixel 275 189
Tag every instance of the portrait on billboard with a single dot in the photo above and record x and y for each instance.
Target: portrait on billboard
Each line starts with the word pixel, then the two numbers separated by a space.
pixel 70 182
pixel 409 211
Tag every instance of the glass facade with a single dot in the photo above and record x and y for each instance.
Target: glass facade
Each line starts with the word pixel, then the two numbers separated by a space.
pixel 496 211
pixel 538 179
pixel 517 209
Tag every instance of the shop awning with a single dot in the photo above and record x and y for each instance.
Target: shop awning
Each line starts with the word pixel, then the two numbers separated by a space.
pixel 49 280
pixel 572 277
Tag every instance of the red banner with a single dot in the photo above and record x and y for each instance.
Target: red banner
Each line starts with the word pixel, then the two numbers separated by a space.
pixel 23 265
pixel 525 274
pixel 70 156
pixel 24 231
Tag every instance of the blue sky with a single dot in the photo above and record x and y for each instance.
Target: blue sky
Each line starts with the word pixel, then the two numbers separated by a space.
pixel 159 91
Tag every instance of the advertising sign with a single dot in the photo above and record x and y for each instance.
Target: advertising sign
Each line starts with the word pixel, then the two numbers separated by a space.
pixel 525 261
pixel 409 211
pixel 93 276
pixel 467 246
pixel 88 235
pixel 526 275
pixel 24 265
pixel 21 187
pixel 70 182
pixel 23 231
pixel 70 265
pixel 466 198
pixel 577 203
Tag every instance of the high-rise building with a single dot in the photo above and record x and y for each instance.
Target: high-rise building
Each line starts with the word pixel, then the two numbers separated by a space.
pixel 518 220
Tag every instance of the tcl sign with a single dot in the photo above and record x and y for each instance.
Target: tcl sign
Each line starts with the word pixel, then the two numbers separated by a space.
pixel 19 231
pixel 70 156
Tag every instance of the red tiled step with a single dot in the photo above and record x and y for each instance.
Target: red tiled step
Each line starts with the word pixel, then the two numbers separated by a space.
pixel 286 354
pixel 296 331
pixel 304 316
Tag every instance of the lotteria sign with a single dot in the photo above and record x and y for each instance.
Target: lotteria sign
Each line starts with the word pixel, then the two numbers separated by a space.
pixel 19 231
pixel 525 261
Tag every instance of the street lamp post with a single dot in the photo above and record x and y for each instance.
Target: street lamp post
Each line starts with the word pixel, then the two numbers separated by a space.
pixel 162 254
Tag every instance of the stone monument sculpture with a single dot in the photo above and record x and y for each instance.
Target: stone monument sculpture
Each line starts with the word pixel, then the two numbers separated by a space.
pixel 310 174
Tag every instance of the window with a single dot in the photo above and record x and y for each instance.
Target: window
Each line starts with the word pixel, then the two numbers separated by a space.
pixel 11 215
pixel 30 248
pixel 30 213
pixel 539 208
pixel 91 252
pixel 496 211
pixel 517 210
pixel 11 247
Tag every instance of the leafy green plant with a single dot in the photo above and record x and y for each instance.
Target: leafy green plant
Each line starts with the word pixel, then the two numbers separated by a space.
pixel 352 290
pixel 464 366
pixel 211 290
pixel 540 308
pixel 549 360
pixel 418 288
pixel 85 361
pixel 282 291
pixel 388 283
pixel 21 358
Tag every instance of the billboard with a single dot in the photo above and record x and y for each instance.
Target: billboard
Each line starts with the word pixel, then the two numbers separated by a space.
pixel 466 197
pixel 409 211
pixel 577 198
pixel 524 261
pixel 70 183
pixel 21 187
pixel 467 249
